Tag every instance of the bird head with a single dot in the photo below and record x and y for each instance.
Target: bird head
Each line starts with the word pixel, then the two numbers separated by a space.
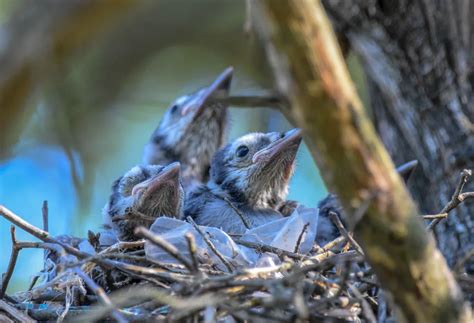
pixel 256 168
pixel 193 127
pixel 143 194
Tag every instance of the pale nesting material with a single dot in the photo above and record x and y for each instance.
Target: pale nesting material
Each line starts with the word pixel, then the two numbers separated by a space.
pixel 284 233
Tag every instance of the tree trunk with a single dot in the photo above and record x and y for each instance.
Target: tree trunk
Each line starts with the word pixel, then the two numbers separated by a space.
pixel 311 73
pixel 417 57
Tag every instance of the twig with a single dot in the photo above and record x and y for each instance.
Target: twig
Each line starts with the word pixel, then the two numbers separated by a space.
pixel 211 245
pixel 133 270
pixel 165 245
pixel 269 101
pixel 192 250
pixel 435 216
pixel 343 231
pixel 456 199
pixel 242 216
pixel 45 216
pixel 99 291
pixel 366 309
pixel 300 238
pixel 19 316
pixel 332 244
pixel 266 248
pixel 11 264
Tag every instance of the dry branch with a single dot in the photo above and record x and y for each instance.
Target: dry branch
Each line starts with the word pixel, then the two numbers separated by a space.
pixel 311 73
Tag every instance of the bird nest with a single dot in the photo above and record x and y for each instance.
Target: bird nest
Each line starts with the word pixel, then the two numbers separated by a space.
pixel 125 282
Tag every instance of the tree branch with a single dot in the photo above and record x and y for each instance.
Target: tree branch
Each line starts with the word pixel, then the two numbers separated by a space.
pixel 311 73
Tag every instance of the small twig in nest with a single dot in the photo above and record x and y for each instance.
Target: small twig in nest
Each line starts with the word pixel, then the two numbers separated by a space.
pixel 226 263
pixel 366 309
pixel 266 248
pixel 165 245
pixel 300 238
pixel 192 251
pixel 242 216
pixel 11 264
pixel 434 216
pixel 335 219
pixel 457 198
pixel 271 100
pixel 18 315
pixel 99 291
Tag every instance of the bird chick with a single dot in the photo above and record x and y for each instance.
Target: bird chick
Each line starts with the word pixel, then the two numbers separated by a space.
pixel 248 184
pixel 327 230
pixel 140 196
pixel 191 131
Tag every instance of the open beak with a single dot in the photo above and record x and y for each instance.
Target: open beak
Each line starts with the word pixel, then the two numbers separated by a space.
pixel 407 169
pixel 168 176
pixel 290 141
pixel 219 87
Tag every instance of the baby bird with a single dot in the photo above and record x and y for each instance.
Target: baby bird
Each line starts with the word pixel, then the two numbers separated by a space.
pixel 140 196
pixel 327 231
pixel 191 131
pixel 248 184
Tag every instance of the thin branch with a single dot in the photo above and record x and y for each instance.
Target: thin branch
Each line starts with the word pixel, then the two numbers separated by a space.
pixel 211 245
pixel 456 199
pixel 99 291
pixel 269 101
pixel 18 315
pixel 45 216
pixel 192 250
pixel 434 216
pixel 242 216
pixel 366 309
pixel 165 245
pixel 266 248
pixel 11 264
pixel 335 219
pixel 300 237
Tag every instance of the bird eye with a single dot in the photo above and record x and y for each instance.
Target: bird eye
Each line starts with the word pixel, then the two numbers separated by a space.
pixel 174 108
pixel 242 151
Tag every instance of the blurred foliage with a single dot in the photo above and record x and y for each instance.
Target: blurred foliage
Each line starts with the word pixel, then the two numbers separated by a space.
pixel 90 116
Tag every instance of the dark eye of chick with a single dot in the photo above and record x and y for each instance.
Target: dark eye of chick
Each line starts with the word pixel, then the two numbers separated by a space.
pixel 174 108
pixel 242 151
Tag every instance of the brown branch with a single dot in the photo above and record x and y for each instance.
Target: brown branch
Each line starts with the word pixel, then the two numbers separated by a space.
pixel 242 216
pixel 300 238
pixel 311 72
pixel 268 101
pixel 165 245
pixel 335 219
pixel 456 199
pixel 18 315
pixel 266 248
pixel 11 264
pixel 192 251
pixel 211 245
pixel 45 217
pixel 99 291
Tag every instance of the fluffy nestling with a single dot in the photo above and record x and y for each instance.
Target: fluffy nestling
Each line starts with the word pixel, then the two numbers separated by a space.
pixel 140 196
pixel 191 131
pixel 251 174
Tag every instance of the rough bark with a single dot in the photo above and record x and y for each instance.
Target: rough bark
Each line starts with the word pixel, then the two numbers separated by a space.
pixel 311 73
pixel 417 56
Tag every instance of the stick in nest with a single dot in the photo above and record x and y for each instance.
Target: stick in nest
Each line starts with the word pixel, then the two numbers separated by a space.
pixel 99 291
pixel 211 245
pixel 457 198
pixel 165 245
